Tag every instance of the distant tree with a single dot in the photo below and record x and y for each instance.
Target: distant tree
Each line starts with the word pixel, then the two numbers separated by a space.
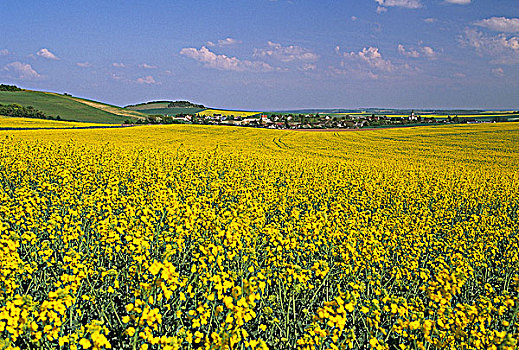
pixel 16 110
pixel 4 87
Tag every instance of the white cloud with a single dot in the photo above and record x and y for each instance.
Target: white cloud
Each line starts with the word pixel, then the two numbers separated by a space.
pixel 228 42
pixel 498 72
pixel 118 65
pixel 146 80
pixel 22 71
pixel 430 20
pixel 286 53
pixel 4 52
pixel 372 57
pixel 410 4
pixel 428 52
pixel 424 51
pixel 458 2
pixel 369 63
pixel 381 9
pixel 408 53
pixel 83 64
pixel 500 24
pixel 223 62
pixel 501 48
pixel 45 53
pixel 354 18
pixel 147 66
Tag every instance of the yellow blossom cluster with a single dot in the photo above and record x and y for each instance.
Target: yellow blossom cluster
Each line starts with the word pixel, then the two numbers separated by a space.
pixel 190 237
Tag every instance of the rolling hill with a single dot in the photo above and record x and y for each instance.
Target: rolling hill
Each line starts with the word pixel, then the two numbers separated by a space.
pixel 69 107
pixel 167 107
pixel 184 107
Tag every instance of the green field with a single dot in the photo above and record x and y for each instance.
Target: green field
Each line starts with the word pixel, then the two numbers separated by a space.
pixel 148 105
pixel 70 108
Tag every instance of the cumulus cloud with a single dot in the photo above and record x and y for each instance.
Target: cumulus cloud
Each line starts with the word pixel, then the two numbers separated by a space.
pixel 408 53
pixel 45 53
pixel 369 63
pixel 223 62
pixel 4 52
pixel 147 66
pixel 500 24
pixel 22 71
pixel 83 64
pixel 381 9
pixel 428 52
pixel 501 48
pixel 459 75
pixel 286 53
pixel 498 72
pixel 371 57
pixel 424 51
pixel 458 2
pixel 118 65
pixel 410 4
pixel 146 80
pixel 430 20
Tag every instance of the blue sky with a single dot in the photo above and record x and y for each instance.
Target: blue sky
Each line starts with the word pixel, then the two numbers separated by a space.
pixel 265 54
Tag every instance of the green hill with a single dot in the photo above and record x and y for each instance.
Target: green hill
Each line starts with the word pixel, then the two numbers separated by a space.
pixel 167 107
pixel 69 107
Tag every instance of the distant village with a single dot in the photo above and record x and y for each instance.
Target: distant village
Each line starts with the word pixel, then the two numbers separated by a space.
pixel 307 121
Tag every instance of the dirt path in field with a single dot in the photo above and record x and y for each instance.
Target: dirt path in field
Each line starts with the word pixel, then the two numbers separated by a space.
pixel 110 109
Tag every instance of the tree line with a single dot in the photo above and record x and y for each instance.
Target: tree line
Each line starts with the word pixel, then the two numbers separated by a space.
pixel 4 87
pixel 15 110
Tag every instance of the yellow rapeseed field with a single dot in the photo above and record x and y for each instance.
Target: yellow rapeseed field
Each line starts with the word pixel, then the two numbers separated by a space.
pixel 15 122
pixel 184 237
pixel 223 112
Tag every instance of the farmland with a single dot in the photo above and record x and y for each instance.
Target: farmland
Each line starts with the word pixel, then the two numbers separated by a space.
pixel 224 112
pixel 11 122
pixel 190 236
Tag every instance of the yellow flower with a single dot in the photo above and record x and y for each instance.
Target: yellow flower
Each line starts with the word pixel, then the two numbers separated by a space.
pixel 85 343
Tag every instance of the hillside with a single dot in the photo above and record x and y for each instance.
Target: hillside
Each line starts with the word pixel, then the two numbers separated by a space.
pixel 167 107
pixel 184 107
pixel 69 107
pixel 164 104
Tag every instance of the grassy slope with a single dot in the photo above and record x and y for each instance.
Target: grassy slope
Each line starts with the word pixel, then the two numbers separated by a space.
pixel 162 108
pixel 69 108
pixel 171 111
pixel 146 106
